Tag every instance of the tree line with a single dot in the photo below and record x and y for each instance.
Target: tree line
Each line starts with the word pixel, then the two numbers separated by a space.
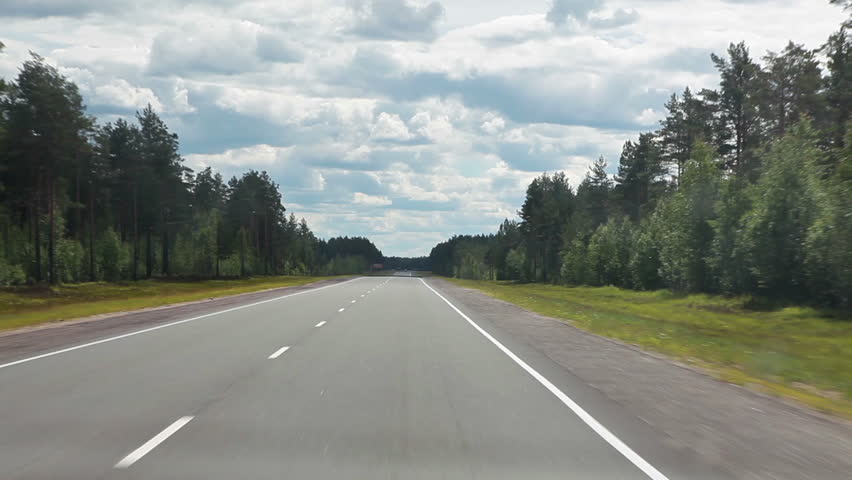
pixel 81 201
pixel 406 263
pixel 746 188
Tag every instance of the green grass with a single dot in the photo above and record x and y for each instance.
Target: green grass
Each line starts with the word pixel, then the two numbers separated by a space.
pixel 23 306
pixel 799 353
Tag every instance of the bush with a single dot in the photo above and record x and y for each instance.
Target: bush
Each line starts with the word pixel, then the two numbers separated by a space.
pixel 195 251
pixel 70 261
pixel 685 223
pixel 346 264
pixel 574 259
pixel 644 264
pixel 609 253
pixel 775 230
pixel 230 265
pixel 516 261
pixel 11 274
pixel 728 255
pixel 298 268
pixel 828 257
pixel 111 256
pixel 181 257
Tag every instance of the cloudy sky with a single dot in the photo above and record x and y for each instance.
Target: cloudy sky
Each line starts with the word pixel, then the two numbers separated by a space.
pixel 403 120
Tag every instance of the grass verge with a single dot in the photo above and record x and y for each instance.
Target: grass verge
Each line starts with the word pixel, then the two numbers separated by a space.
pixel 24 306
pixel 798 353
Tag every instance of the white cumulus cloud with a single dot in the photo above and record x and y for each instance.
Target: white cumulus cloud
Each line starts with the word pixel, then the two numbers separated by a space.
pixel 121 93
pixel 390 127
pixel 371 200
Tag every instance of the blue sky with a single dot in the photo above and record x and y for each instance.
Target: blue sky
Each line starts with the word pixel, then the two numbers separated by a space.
pixel 405 121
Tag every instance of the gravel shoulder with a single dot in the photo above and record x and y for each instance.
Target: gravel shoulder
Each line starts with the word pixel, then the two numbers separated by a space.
pixel 753 436
pixel 45 337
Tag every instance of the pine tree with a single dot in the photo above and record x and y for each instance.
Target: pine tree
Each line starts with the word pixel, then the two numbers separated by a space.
pixel 689 119
pixel 48 130
pixel 641 178
pixel 793 84
pixel 547 208
pixel 162 180
pixel 838 94
pixel 740 98
pixel 593 199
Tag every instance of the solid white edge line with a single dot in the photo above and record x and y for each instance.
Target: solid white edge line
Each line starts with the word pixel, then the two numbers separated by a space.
pixel 140 452
pixel 320 324
pixel 610 438
pixel 278 353
pixel 166 325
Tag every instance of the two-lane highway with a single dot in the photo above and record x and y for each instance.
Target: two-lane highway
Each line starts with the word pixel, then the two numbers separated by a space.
pixel 378 377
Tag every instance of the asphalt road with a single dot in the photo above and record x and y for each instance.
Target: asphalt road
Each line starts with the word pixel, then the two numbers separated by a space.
pixel 378 377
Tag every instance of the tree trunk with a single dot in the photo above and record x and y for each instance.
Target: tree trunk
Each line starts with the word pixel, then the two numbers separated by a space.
pixel 135 267
pixel 78 218
pixel 274 255
pixel 256 237
pixel 534 264
pixel 51 234
pixel 92 272
pixel 119 220
pixel 7 247
pixel 36 220
pixel 165 269
pixel 739 130
pixel 266 238
pixel 242 252
pixel 149 254
pixel 216 253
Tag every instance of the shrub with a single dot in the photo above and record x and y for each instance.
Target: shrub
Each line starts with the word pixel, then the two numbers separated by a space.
pixel 70 261
pixel 110 256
